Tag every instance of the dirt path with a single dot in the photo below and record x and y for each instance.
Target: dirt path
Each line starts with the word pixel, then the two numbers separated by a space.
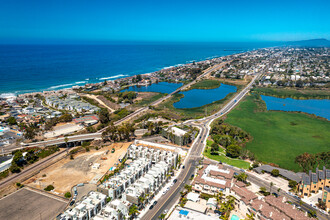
pixel 98 100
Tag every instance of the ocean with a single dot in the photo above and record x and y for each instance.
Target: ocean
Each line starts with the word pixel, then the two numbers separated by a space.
pixel 31 68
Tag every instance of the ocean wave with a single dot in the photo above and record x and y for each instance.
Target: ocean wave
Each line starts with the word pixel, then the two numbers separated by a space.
pixel 60 86
pixel 80 82
pixel 113 77
pixel 7 95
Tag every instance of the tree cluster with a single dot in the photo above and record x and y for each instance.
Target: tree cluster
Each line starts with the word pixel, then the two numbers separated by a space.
pixel 118 133
pixel 127 96
pixel 52 122
pixel 309 161
pixel 229 137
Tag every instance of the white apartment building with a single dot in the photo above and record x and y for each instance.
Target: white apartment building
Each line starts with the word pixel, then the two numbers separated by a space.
pixel 87 208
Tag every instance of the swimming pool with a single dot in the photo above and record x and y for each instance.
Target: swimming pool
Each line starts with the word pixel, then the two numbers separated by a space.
pixel 234 217
pixel 183 212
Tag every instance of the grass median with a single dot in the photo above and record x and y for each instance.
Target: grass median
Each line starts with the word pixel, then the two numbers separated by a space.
pixel 223 158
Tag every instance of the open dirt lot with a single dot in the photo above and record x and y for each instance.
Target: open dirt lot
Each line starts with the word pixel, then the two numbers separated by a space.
pixel 26 204
pixel 66 173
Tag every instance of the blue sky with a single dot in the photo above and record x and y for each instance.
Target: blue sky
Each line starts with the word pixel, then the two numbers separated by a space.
pixel 34 21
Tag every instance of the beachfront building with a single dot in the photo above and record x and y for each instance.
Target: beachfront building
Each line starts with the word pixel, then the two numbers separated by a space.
pixel 86 209
pixel 314 182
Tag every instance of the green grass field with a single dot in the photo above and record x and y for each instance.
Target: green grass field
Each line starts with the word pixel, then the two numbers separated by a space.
pixel 234 162
pixel 294 93
pixel 206 84
pixel 278 137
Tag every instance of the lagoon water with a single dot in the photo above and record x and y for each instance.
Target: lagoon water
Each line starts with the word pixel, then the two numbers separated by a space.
pixel 199 97
pixel 319 107
pixel 162 87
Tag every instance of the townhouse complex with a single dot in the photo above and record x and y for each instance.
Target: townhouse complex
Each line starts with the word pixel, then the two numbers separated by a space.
pixel 138 181
pixel 314 183
pixel 88 207
pixel 70 103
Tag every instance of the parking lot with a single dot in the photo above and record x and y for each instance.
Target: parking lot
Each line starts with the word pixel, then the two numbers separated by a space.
pixel 27 204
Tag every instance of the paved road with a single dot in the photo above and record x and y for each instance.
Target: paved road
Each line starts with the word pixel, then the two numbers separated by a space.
pixel 192 160
pixel 171 197
pixel 57 141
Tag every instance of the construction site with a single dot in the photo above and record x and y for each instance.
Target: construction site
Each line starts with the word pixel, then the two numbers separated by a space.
pixel 84 167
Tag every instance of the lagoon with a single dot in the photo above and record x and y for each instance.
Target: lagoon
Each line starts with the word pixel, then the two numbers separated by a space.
pixel 199 97
pixel 319 107
pixel 162 87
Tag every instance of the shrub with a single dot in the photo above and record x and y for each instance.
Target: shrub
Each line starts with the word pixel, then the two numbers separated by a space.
pixel 275 172
pixel 49 188
pixel 292 183
pixel 67 195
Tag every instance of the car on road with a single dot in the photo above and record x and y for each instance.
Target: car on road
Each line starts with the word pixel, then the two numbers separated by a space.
pixel 175 180
pixel 165 211
pixel 151 206
pixel 182 167
pixel 155 202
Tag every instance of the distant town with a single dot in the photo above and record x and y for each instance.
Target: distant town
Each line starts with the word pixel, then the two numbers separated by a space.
pixel 120 149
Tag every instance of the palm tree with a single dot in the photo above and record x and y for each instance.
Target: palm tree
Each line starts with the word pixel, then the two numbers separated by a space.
pixel 188 187
pixel 249 216
pixel 219 197
pixel 227 207
pixel 133 211
pixel 270 186
pixel 162 216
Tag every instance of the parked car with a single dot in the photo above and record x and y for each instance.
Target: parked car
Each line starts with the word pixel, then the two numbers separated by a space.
pixel 155 202
pixel 151 206
pixel 175 180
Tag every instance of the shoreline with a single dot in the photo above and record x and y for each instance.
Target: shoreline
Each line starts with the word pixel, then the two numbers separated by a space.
pixel 81 83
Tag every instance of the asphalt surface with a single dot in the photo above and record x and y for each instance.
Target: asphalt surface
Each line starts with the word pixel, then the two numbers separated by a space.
pixel 27 204
pixel 192 161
